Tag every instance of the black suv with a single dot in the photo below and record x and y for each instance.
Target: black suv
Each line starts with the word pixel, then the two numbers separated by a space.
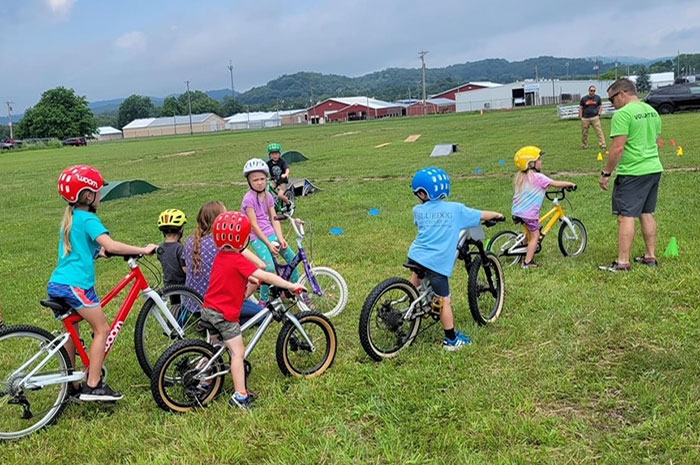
pixel 676 97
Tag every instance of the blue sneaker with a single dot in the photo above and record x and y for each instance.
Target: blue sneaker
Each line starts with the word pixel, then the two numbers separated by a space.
pixel 460 341
pixel 245 403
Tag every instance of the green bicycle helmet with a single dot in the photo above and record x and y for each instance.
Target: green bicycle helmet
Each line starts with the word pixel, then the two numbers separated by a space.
pixel 274 147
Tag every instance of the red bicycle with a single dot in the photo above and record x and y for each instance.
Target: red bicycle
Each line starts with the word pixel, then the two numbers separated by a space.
pixel 35 370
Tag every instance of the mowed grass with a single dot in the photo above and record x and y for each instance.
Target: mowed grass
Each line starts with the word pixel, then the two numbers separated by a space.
pixel 582 367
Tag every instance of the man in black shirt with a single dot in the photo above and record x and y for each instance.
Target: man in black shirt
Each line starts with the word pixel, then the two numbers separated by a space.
pixel 589 111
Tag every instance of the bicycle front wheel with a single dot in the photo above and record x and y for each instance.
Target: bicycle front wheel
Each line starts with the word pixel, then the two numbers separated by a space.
pixel 333 295
pixel 176 383
pixel 572 239
pixel 501 243
pixel 383 329
pixel 486 289
pixel 25 409
pixel 295 356
pixel 151 338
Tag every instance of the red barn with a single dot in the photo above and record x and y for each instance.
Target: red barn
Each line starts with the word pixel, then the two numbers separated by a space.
pixel 432 106
pixel 450 93
pixel 352 109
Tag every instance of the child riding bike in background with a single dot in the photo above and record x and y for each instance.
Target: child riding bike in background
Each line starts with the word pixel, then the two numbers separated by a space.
pixel 435 247
pixel 171 223
pixel 82 236
pixel 230 275
pixel 279 170
pixel 530 186
pixel 259 205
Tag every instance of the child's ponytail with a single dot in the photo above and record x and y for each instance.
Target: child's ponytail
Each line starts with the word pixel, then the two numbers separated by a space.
pixel 66 226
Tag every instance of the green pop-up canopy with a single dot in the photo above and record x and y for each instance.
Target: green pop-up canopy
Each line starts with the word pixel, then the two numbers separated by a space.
pixel 118 189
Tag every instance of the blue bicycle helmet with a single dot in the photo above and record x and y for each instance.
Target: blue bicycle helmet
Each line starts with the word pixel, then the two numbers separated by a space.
pixel 435 182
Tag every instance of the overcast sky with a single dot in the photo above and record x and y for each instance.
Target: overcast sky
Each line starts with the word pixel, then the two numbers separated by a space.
pixel 107 49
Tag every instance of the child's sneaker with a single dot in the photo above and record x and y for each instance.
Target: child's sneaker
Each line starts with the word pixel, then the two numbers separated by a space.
pixel 245 403
pixel 530 264
pixel 616 267
pixel 460 341
pixel 101 392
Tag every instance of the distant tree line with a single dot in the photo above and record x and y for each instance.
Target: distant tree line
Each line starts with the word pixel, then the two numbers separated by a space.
pixel 61 113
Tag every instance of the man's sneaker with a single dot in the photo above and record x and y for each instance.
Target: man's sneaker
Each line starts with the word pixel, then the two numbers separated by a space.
pixel 531 264
pixel 616 267
pixel 648 261
pixel 245 403
pixel 102 392
pixel 460 341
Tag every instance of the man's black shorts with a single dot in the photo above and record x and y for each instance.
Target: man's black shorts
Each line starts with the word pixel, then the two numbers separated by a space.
pixel 634 195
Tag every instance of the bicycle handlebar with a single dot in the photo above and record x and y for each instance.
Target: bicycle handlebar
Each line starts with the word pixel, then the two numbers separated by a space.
pixel 494 221
pixel 560 193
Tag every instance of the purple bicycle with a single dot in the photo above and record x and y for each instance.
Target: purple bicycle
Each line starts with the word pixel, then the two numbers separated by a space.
pixel 328 291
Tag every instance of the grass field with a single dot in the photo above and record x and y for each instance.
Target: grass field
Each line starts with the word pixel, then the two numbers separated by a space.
pixel 582 367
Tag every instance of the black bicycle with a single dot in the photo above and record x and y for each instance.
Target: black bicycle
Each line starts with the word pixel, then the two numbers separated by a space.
pixel 393 312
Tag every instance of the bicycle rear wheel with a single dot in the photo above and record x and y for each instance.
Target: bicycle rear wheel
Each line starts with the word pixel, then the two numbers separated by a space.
pixel 501 243
pixel 174 383
pixel 151 339
pixel 334 292
pixel 572 240
pixel 486 289
pixel 383 330
pixel 23 409
pixel 294 355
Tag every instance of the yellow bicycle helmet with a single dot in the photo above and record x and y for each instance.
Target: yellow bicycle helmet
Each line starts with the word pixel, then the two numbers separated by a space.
pixel 525 155
pixel 171 219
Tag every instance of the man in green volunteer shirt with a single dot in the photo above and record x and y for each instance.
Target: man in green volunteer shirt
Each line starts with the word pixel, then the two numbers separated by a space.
pixel 635 132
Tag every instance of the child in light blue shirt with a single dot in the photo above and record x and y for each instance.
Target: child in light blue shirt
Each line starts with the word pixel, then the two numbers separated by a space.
pixel 435 247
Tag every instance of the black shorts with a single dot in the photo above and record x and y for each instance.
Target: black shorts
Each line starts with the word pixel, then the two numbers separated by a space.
pixel 634 195
pixel 439 282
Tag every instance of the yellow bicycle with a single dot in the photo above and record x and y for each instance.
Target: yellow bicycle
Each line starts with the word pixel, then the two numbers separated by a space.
pixel 510 247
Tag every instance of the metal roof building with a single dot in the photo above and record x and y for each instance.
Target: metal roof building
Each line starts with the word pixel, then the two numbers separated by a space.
pixel 107 133
pixel 254 120
pixel 352 108
pixel 170 125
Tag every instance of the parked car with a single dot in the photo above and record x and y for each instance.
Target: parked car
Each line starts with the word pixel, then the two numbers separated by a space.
pixel 8 144
pixel 74 141
pixel 676 97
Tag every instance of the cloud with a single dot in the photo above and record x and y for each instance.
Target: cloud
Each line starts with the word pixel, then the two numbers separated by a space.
pixel 61 8
pixel 134 40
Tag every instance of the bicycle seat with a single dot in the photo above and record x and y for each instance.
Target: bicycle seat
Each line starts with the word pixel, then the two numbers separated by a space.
pixel 60 307
pixel 416 268
pixel 205 325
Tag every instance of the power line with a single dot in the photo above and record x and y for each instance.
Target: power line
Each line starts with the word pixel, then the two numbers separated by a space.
pixel 189 104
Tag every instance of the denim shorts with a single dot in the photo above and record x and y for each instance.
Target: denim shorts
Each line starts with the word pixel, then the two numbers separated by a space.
pixel 439 282
pixel 76 297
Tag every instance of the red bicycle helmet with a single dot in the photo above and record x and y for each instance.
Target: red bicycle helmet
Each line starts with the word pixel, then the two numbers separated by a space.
pixel 75 179
pixel 231 228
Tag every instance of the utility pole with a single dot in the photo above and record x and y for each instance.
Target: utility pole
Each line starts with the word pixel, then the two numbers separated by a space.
pixel 536 74
pixel 189 104
pixel 9 117
pixel 597 70
pixel 230 68
pixel 567 70
pixel 678 64
pixel 616 69
pixel 422 55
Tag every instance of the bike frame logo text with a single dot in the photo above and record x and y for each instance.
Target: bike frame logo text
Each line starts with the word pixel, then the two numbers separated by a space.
pixel 112 336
